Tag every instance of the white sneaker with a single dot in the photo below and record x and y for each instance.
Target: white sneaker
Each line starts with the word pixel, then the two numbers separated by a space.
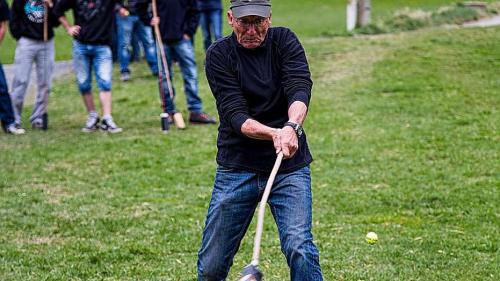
pixel 15 130
pixel 91 125
pixel 109 125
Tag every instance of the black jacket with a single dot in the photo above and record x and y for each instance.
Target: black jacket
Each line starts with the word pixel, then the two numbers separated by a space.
pixel 95 17
pixel 177 17
pixel 27 20
pixel 260 84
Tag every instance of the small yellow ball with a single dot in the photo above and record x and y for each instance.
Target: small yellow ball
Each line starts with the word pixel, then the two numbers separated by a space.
pixel 371 238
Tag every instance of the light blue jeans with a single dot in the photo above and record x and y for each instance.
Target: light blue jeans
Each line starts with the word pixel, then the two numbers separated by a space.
pixel 234 199
pixel 125 27
pixel 99 56
pixel 183 52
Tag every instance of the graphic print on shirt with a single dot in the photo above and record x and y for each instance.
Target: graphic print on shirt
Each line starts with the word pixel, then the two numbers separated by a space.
pixel 90 8
pixel 34 10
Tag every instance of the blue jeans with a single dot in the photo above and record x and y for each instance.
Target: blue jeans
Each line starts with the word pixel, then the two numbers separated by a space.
pixel 6 111
pixel 183 52
pixel 211 24
pixel 125 28
pixel 99 56
pixel 234 199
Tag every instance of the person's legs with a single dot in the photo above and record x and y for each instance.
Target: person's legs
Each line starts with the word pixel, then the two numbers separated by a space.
pixel 23 60
pixel 234 199
pixel 124 27
pixel 146 37
pixel 291 205
pixel 82 66
pixel 103 67
pixel 44 66
pixel 216 23
pixel 6 111
pixel 169 100
pixel 205 28
pixel 184 52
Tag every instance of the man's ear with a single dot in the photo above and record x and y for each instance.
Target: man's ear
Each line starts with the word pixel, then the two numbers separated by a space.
pixel 230 17
pixel 270 18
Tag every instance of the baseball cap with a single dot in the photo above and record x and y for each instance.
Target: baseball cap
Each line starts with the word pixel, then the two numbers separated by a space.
pixel 243 8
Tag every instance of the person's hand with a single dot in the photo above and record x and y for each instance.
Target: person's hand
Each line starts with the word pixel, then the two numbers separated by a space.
pixel 187 37
pixel 123 12
pixel 289 142
pixel 48 3
pixel 155 21
pixel 74 30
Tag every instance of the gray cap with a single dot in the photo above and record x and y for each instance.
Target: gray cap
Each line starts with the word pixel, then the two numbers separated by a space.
pixel 243 8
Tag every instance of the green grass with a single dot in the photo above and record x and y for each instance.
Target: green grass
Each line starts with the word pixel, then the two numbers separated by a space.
pixel 403 128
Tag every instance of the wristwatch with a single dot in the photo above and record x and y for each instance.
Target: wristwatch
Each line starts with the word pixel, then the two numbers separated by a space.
pixel 296 127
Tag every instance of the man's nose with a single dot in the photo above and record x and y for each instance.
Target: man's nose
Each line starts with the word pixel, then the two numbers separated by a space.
pixel 251 30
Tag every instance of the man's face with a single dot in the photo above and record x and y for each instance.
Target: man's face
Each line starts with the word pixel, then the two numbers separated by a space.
pixel 250 30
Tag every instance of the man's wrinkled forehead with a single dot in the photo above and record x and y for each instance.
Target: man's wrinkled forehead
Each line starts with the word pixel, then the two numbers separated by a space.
pixel 243 8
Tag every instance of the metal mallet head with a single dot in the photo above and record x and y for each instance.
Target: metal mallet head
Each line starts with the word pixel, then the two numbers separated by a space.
pixel 251 273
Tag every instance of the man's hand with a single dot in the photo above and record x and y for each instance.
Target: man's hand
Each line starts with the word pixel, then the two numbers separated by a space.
pixel 48 3
pixel 123 12
pixel 286 140
pixel 187 37
pixel 155 21
pixel 74 30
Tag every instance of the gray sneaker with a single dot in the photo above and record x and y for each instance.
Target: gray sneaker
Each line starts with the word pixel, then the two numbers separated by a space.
pixel 91 125
pixel 125 76
pixel 110 126
pixel 15 130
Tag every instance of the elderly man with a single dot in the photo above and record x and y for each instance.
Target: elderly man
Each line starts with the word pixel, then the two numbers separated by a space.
pixel 260 79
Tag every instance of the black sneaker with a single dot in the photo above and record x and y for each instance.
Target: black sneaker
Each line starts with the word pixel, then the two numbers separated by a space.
pixel 201 118
pixel 91 125
pixel 41 123
pixel 109 125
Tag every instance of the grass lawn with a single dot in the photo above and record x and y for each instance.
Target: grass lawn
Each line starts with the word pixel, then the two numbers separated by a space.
pixel 403 128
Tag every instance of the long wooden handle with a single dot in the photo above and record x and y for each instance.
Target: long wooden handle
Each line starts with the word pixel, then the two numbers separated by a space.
pixel 162 51
pixel 45 22
pixel 262 210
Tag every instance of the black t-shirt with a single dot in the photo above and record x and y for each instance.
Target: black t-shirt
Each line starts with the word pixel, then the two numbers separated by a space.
pixel 4 11
pixel 95 17
pixel 27 19
pixel 259 84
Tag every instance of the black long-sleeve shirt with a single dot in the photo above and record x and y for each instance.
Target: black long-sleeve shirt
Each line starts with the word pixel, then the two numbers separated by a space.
pixel 259 84
pixel 27 20
pixel 95 17
pixel 177 17
pixel 4 11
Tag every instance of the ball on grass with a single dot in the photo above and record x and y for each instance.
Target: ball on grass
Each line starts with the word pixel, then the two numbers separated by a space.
pixel 371 238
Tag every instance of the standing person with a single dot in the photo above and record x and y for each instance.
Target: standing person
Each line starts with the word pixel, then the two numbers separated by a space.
pixel 92 33
pixel 135 21
pixel 260 79
pixel 6 112
pixel 210 20
pixel 178 20
pixel 27 27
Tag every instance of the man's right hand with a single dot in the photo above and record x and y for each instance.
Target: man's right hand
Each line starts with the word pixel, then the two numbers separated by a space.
pixel 286 141
pixel 155 21
pixel 74 30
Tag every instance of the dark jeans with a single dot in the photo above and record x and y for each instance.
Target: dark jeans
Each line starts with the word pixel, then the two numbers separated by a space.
pixel 6 111
pixel 211 25
pixel 183 52
pixel 234 199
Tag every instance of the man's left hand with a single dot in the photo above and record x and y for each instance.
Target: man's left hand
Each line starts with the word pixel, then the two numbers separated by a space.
pixel 289 142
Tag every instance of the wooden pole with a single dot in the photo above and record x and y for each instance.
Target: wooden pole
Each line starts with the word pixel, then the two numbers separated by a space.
pixel 177 117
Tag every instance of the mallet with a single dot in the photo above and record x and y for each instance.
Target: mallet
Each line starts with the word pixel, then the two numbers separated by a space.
pixel 251 272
